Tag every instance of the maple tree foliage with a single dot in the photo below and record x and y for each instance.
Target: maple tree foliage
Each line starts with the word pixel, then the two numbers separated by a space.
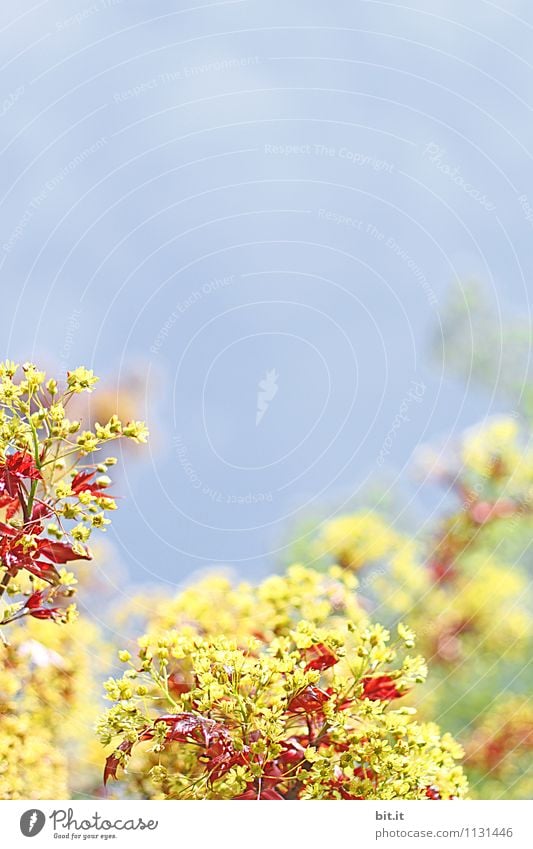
pixel 51 496
pixel 288 708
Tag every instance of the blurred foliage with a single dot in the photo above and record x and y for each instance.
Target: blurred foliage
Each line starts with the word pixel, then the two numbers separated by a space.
pixel 49 703
pixel 480 346
pixel 464 587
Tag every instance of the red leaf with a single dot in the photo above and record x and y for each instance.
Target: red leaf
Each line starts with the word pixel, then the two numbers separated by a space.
pixel 36 599
pixel 433 793
pixel 272 774
pixel 220 764
pixel 188 727
pixel 309 700
pixel 114 761
pixel 18 467
pixel 212 736
pixel 82 483
pixel 11 505
pixel 80 479
pixel 380 689
pixel 177 684
pixel 293 752
pixel 46 613
pixel 41 510
pixel 23 465
pixel 216 740
pixel 60 552
pixel 41 569
pixel 252 794
pixel 34 606
pixel 320 657
pixel 182 726
pixel 366 773
pixel 8 531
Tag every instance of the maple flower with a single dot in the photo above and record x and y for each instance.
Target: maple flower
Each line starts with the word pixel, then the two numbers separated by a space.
pixel 81 380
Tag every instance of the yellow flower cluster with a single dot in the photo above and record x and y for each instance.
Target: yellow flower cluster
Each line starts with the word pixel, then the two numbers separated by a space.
pixel 215 605
pixel 358 539
pixel 51 497
pixel 295 704
pixel 33 414
pixel 48 708
pixel 31 767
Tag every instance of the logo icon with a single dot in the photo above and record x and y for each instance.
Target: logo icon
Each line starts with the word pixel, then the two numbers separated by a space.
pixel 32 822
pixel 267 389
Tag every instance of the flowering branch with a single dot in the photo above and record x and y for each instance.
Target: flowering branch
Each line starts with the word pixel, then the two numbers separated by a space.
pixel 48 506
pixel 291 706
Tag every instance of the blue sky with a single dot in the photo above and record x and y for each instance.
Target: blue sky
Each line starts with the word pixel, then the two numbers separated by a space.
pixel 255 205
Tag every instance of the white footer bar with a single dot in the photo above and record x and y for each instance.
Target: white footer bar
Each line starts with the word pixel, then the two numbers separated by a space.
pixel 264 825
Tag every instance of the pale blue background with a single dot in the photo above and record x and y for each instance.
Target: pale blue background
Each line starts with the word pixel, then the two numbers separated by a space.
pixel 179 191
